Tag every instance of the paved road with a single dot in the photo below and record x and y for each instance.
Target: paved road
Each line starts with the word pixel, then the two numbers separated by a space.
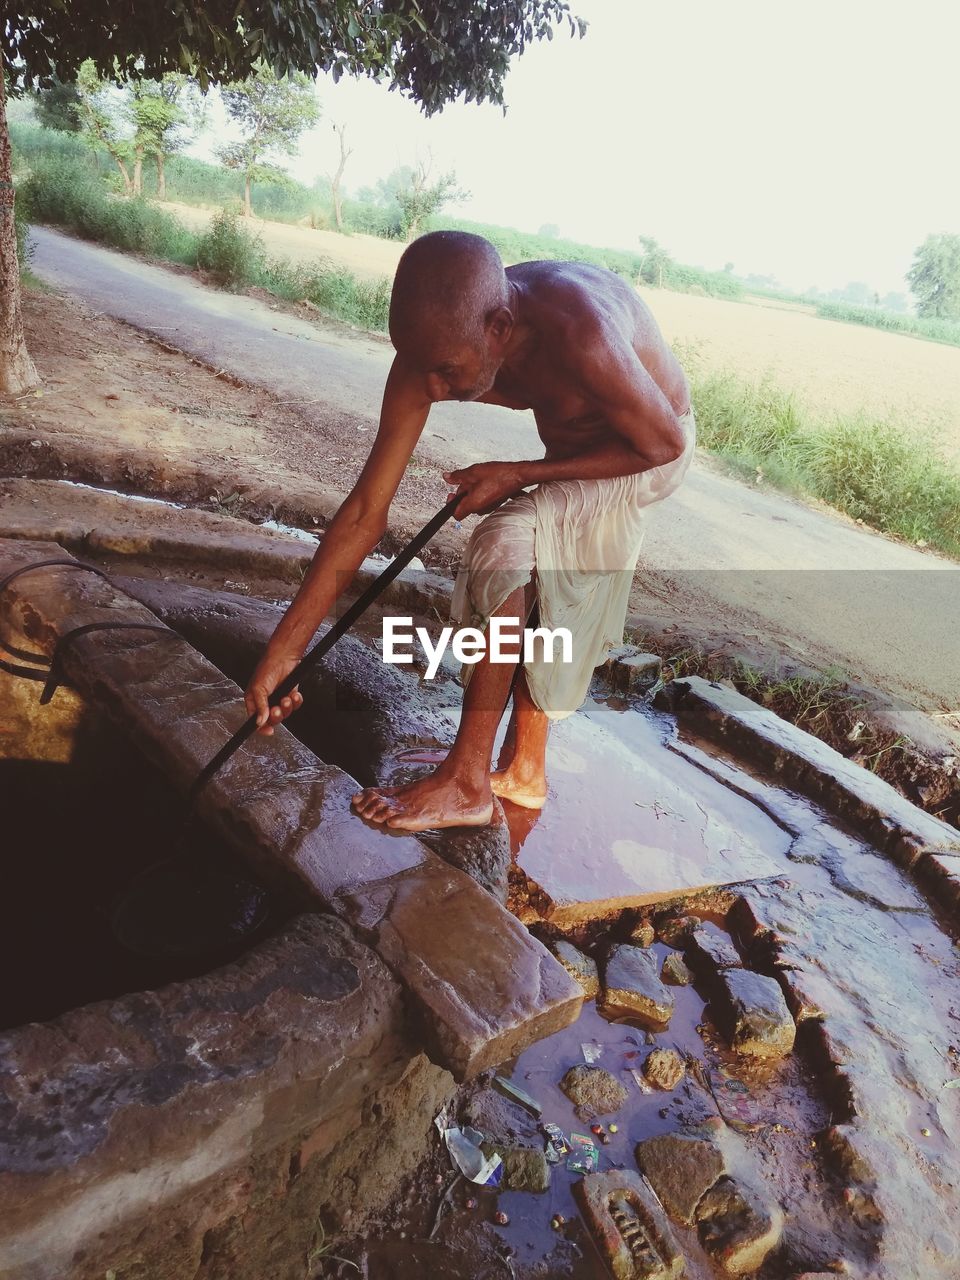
pixel 883 610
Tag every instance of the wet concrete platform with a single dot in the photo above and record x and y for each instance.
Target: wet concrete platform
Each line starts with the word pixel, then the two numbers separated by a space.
pixel 628 823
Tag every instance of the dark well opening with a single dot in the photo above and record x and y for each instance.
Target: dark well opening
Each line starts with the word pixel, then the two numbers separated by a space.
pixel 105 890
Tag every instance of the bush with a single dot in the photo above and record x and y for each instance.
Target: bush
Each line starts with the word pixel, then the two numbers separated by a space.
pixel 888 475
pixel 231 253
pixel 67 193
pixel 893 321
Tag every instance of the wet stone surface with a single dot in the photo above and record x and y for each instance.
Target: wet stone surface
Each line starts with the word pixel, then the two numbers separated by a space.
pixel 681 1169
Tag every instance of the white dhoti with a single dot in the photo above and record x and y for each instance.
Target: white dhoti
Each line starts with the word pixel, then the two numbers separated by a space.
pixel 579 540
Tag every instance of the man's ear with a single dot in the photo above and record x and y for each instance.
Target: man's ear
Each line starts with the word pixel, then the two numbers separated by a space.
pixel 499 325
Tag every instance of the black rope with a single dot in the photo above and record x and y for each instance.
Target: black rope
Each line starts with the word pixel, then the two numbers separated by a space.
pixel 24 655
pixel 54 677
pixel 322 647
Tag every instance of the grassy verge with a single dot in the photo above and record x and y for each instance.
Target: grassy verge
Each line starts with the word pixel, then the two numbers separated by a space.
pixel 64 192
pixel 884 473
pixel 933 330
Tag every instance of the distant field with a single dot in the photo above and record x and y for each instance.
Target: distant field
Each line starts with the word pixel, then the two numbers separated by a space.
pixel 830 365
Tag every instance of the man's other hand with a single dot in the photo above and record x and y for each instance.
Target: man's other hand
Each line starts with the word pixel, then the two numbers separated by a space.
pixel 484 486
pixel 271 670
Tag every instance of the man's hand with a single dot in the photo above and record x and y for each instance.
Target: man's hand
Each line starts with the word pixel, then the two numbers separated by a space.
pixel 271 669
pixel 485 486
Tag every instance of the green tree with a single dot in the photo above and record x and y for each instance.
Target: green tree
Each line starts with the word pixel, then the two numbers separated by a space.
pixel 419 198
pixel 58 107
pixel 656 262
pixel 102 121
pixel 934 278
pixel 434 53
pixel 271 112
pixel 165 115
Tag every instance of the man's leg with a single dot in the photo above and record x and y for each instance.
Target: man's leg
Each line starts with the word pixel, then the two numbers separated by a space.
pixel 458 793
pixel 524 779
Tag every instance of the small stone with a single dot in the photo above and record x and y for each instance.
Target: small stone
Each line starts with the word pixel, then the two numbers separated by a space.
pixel 579 966
pixel 681 1169
pixel 471 1203
pixel 737 1228
pixel 605 1139
pixel 753 1014
pixel 438 1180
pixel 664 1068
pixel 709 952
pixel 925 1132
pixel 643 934
pixel 593 1091
pixel 500 1218
pixel 675 931
pixel 632 988
pixel 675 971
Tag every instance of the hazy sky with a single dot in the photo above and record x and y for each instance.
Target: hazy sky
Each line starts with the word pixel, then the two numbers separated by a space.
pixel 815 141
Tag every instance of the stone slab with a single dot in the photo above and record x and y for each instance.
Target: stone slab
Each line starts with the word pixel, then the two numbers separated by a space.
pixel 485 988
pixel 681 1168
pixel 806 764
pixel 629 1226
pixel 288 813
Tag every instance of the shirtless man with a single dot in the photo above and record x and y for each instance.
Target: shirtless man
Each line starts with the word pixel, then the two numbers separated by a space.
pixel 575 344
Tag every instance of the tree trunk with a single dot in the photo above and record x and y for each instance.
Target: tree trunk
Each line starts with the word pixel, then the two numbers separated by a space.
pixel 161 178
pixel 247 210
pixel 127 181
pixel 17 372
pixel 138 172
pixel 338 209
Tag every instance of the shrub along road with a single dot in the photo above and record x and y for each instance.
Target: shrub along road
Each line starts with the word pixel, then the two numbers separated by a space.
pixel 719 551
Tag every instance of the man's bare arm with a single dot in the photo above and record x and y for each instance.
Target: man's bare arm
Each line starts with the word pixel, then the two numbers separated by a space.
pixel 647 431
pixel 351 535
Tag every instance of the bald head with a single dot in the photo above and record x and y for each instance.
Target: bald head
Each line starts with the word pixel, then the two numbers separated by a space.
pixel 447 282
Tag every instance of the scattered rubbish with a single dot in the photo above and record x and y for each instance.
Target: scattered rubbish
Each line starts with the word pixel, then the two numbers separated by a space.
pixel 584 1155
pixel 639 1081
pixel 591 1051
pixel 513 1091
pixel 613 1128
pixel 471 1204
pixel 464 1148
pixel 597 1129
pixel 605 1139
pixel 557 1145
pixel 925 1133
pixel 736 1104
pixel 952 1084
pixel 501 1218
pixel 558 1221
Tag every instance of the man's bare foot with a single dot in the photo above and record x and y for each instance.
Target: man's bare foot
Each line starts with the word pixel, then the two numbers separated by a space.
pixel 425 805
pixel 527 793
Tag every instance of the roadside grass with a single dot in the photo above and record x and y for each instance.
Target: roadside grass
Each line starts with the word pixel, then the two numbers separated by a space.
pixel 63 191
pixel 934 330
pixel 887 474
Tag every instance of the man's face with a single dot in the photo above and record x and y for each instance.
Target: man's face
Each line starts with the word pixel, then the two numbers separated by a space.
pixel 458 371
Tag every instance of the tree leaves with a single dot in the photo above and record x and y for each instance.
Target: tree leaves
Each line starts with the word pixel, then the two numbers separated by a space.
pixel 433 51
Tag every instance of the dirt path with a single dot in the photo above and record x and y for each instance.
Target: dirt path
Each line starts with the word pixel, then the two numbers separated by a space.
pixel 731 557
